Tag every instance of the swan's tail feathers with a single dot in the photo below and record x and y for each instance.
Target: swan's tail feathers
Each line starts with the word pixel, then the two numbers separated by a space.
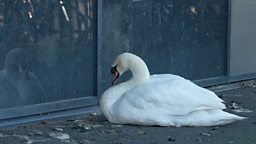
pixel 211 118
pixel 229 118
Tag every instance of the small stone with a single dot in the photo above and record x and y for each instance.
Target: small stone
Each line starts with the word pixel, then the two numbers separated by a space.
pixel 87 128
pixel 235 106
pixel 214 128
pixel 171 139
pixel 205 134
pixel 193 10
pixel 36 132
pixel 2 135
pixel 93 114
pixel 77 121
pixel 116 126
pixel 231 142
pixel 82 128
pixel 57 129
pixel 58 135
pixel 96 126
pixel 44 122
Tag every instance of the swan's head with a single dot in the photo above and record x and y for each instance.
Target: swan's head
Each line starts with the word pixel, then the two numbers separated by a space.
pixel 16 63
pixel 129 61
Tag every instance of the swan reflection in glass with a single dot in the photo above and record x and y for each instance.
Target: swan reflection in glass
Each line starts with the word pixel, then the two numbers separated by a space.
pixel 18 85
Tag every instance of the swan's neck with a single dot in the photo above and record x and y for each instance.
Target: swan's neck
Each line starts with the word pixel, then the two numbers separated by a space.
pixel 140 72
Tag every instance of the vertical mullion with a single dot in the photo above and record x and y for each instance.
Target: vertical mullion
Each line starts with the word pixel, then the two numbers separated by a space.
pixel 228 52
pixel 99 47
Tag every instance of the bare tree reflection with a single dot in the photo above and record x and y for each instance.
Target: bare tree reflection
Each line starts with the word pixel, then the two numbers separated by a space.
pixel 59 35
pixel 26 21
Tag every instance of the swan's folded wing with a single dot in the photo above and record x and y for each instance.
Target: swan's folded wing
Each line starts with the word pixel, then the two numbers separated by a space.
pixel 167 96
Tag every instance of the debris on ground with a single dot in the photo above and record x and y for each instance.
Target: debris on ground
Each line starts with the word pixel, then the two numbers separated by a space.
pixel 58 135
pixel 205 134
pixel 2 135
pixel 57 129
pixel 36 132
pixel 235 107
pixel 81 127
pixel 215 128
pixel 248 84
pixel 44 122
pixel 171 139
pixel 116 126
pixel 93 114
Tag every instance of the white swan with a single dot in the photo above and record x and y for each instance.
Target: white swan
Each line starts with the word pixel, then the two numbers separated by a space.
pixel 164 100
pixel 19 86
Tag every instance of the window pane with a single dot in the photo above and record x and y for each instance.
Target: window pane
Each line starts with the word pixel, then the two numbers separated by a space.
pixel 57 55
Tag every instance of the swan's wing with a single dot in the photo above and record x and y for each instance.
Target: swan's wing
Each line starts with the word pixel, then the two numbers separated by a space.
pixel 166 95
pixel 31 90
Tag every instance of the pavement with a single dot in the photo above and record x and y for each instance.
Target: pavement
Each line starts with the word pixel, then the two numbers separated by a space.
pixel 95 129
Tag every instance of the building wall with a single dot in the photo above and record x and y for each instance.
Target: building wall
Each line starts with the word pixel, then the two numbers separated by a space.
pixel 243 37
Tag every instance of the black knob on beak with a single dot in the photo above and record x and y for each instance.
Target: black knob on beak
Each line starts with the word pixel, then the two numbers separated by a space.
pixel 113 69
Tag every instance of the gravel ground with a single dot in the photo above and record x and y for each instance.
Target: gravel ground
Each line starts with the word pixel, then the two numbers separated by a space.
pixel 94 129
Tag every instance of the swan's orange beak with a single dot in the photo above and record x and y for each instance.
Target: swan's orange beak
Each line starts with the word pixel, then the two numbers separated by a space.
pixel 115 73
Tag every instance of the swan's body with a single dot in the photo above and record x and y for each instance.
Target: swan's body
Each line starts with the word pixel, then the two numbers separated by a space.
pixel 164 100
pixel 18 85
